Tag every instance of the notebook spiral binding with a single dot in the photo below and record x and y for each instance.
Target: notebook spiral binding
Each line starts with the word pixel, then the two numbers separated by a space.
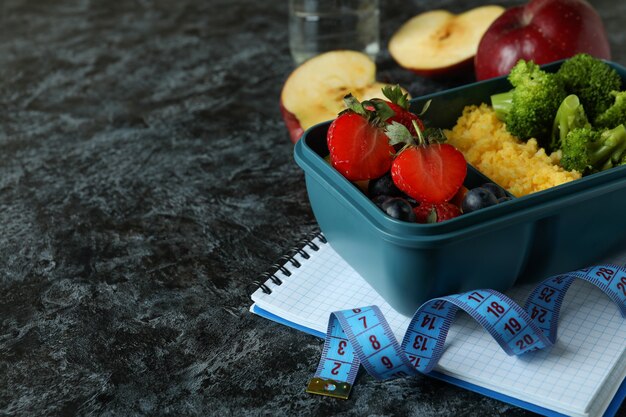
pixel 307 242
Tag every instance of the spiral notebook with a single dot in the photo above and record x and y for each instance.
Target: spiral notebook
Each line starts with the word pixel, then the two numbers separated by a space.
pixel 583 374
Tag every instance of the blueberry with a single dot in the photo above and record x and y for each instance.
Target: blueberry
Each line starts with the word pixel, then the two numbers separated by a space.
pixel 411 200
pixel 383 186
pixel 495 189
pixel 380 199
pixel 478 198
pixel 399 208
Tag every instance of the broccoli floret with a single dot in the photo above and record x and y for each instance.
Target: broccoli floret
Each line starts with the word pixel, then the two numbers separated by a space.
pixel 575 149
pixel 529 109
pixel 614 115
pixel 588 150
pixel 569 116
pixel 592 80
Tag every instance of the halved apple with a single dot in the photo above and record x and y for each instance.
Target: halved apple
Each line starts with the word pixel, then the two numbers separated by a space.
pixel 314 91
pixel 438 42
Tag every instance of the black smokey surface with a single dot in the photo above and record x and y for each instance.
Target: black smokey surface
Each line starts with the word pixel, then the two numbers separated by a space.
pixel 146 178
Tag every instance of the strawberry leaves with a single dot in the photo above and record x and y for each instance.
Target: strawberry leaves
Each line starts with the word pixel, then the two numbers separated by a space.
pixel 377 112
pixel 396 96
pixel 398 133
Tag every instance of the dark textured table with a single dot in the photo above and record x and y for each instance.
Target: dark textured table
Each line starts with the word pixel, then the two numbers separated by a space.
pixel 146 178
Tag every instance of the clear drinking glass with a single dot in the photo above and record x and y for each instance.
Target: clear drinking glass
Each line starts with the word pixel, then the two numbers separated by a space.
pixel 317 26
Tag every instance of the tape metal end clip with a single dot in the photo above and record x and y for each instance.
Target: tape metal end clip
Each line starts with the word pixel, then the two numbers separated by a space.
pixel 329 388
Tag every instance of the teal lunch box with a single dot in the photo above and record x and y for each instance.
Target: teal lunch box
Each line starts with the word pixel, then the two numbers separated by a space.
pixel 523 240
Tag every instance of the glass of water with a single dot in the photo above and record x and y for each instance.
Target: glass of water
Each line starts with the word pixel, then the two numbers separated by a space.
pixel 317 26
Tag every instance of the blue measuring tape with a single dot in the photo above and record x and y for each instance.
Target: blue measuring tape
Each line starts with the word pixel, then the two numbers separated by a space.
pixel 362 336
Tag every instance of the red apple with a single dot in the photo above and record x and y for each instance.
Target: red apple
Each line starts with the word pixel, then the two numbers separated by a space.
pixel 291 123
pixel 542 31
pixel 437 42
pixel 314 91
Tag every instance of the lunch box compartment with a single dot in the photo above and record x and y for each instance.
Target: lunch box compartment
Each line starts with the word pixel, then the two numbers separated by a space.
pixel 523 240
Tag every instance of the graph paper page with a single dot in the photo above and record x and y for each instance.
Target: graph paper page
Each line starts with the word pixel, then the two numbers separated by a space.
pixel 567 378
pixel 591 341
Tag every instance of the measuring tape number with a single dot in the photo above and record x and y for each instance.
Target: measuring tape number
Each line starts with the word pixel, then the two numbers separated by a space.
pixel 362 336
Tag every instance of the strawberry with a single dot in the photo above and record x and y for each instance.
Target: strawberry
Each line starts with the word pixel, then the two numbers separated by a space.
pixel 435 213
pixel 358 145
pixel 428 172
pixel 399 103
